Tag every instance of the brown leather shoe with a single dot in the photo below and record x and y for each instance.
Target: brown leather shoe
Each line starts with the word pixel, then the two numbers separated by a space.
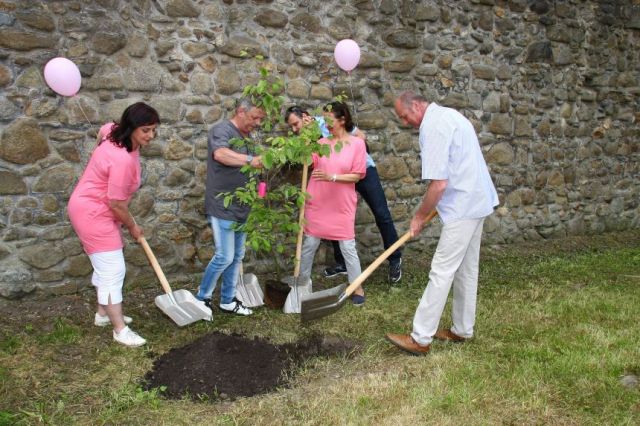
pixel 447 335
pixel 406 343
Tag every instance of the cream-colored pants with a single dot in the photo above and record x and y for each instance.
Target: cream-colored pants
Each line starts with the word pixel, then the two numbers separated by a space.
pixel 455 262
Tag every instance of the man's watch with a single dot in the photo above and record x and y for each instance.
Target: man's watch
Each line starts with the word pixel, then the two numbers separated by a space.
pixel 249 158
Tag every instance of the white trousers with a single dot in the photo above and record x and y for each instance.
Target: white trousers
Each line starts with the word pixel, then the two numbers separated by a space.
pixel 456 262
pixel 108 275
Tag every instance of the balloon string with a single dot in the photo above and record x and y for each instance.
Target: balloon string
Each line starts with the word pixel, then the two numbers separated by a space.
pixel 355 109
pixel 82 153
pixel 83 113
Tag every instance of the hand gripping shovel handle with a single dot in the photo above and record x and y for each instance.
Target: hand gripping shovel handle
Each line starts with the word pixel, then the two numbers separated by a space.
pixel 155 265
pixel 365 274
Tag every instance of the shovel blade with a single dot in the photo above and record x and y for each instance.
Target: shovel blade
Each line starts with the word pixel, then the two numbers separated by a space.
pixel 289 280
pixel 322 303
pixel 293 303
pixel 249 292
pixel 182 307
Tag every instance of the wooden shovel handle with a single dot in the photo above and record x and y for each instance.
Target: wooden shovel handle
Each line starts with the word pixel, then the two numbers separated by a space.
pixel 303 188
pixel 155 265
pixel 365 274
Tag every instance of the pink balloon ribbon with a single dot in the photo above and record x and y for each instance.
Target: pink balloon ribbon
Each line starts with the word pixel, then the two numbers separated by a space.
pixel 262 189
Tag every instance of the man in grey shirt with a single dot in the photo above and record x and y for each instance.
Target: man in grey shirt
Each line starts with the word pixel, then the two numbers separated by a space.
pixel 224 162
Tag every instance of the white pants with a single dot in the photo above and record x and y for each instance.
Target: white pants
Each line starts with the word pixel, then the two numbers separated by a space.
pixel 108 275
pixel 455 261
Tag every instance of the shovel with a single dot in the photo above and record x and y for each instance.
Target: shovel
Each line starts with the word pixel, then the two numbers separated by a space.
pixel 322 303
pixel 292 304
pixel 248 290
pixel 181 306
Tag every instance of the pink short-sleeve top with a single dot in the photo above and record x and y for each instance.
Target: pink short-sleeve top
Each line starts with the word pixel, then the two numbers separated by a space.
pixel 330 212
pixel 112 174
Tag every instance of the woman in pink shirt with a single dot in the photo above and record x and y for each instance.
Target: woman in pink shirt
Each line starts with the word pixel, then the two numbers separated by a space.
pixel 98 207
pixel 330 211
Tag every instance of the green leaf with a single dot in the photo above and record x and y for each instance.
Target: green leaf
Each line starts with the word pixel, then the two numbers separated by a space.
pixel 267 159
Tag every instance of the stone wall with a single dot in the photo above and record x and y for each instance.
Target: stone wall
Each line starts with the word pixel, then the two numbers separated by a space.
pixel 551 86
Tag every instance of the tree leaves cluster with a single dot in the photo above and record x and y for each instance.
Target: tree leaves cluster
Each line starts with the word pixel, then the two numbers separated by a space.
pixel 272 225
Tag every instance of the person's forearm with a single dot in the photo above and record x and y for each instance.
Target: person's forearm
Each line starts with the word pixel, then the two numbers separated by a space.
pixel 229 157
pixel 347 178
pixel 121 211
pixel 431 197
pixel 334 177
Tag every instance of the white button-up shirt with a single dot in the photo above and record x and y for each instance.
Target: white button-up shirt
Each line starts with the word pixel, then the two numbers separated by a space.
pixel 450 151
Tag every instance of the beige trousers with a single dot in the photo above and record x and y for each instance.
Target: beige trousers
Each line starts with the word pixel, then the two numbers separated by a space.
pixel 455 262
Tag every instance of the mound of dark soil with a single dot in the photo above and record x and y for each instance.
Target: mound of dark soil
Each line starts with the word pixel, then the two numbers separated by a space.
pixel 221 366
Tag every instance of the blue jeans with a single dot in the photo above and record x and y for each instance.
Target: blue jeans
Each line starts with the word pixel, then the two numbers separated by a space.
pixel 229 245
pixel 372 193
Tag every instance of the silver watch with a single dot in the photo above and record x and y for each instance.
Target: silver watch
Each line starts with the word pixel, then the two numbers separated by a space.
pixel 249 158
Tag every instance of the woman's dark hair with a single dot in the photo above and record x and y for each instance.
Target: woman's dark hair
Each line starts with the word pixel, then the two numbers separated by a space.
pixel 298 111
pixel 340 110
pixel 136 115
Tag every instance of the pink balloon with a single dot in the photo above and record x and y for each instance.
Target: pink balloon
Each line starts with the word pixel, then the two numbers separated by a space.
pixel 63 76
pixel 347 54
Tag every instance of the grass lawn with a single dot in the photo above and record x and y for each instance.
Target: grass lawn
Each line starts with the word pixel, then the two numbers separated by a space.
pixel 556 331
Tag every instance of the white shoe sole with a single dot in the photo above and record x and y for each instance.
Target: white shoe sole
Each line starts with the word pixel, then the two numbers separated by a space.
pixel 134 342
pixel 137 345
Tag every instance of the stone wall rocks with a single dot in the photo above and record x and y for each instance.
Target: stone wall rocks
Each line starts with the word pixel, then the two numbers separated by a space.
pixel 22 142
pixel 551 88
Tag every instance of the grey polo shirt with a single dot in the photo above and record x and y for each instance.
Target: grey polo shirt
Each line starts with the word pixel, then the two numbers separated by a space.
pixel 221 178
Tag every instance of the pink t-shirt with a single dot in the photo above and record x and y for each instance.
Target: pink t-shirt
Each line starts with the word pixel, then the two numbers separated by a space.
pixel 112 174
pixel 330 212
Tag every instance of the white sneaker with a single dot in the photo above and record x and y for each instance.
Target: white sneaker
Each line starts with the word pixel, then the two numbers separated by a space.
pixel 235 307
pixel 103 321
pixel 128 337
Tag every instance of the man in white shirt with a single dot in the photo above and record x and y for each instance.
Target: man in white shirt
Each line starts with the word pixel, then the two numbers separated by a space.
pixel 462 192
